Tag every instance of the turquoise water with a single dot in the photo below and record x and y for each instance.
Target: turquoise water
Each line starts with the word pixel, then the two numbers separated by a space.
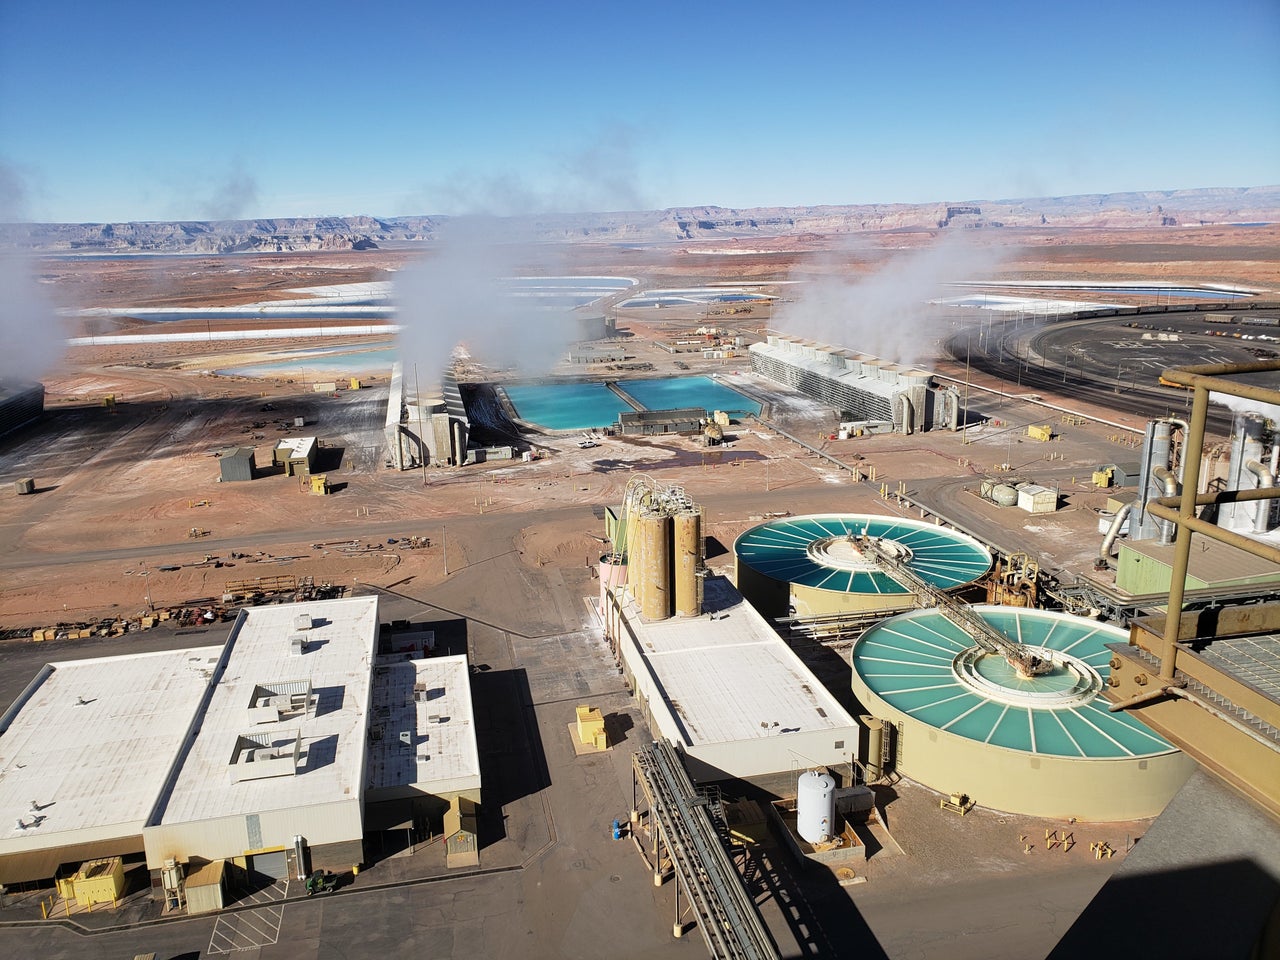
pixel 907 661
pixel 675 392
pixel 587 406
pixel 321 360
pixel 780 549
pixel 566 406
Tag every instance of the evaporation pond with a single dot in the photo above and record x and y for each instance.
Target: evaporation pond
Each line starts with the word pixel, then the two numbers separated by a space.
pixel 673 393
pixel 566 406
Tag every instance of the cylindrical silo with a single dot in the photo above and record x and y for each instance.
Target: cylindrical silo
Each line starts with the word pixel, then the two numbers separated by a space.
pixel 1246 445
pixel 459 444
pixel 815 806
pixel 655 571
pixel 688 558
pixel 874 762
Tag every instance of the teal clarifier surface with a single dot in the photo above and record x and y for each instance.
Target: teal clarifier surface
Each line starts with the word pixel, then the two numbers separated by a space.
pixel 907 661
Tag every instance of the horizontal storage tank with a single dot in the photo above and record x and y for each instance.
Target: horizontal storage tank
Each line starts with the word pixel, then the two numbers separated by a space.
pixel 811 563
pixel 1004 495
pixel 1045 746
pixel 816 806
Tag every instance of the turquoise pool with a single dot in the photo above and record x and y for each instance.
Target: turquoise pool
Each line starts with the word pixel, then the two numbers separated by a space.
pixel 566 406
pixel 588 406
pixel 673 392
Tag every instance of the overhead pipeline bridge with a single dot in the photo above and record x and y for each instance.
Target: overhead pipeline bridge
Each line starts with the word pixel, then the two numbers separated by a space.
pixel 730 923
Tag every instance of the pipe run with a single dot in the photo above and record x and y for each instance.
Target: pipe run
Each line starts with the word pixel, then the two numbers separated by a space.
pixel 1166 477
pixel 1113 531
pixel 1266 478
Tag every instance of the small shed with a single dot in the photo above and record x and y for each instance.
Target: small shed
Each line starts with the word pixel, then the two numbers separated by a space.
pixel 237 463
pixel 207 888
pixel 296 454
pixel 656 422
pixel 97 881
pixel 1034 498
pixel 1122 474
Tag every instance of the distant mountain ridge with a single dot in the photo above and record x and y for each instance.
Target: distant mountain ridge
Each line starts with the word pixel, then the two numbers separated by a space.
pixel 1153 208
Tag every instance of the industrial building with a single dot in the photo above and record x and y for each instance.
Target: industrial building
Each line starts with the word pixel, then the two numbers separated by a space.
pixel 296 454
pixel 85 751
pixel 431 431
pixel 275 752
pixel 710 674
pixel 866 391
pixel 649 423
pixel 20 403
pixel 727 690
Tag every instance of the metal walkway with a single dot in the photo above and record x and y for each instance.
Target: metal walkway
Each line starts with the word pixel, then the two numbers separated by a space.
pixel 730 923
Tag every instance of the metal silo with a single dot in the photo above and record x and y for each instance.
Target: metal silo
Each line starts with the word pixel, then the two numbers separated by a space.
pixel 688 560
pixel 655 566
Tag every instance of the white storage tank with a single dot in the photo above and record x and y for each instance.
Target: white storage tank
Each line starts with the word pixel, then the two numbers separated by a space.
pixel 815 806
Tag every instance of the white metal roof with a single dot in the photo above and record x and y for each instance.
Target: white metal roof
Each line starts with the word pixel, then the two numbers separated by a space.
pixel 337 661
pixel 430 700
pixel 728 677
pixel 90 743
pixel 298 446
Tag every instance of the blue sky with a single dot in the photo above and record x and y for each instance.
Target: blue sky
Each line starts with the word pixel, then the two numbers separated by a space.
pixel 156 111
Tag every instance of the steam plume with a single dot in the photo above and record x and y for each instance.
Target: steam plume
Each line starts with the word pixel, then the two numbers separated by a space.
pixel 886 314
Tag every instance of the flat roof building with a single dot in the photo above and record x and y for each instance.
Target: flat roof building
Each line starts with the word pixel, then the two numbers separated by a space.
pixel 296 454
pixel 278 749
pixel 726 690
pixel 84 752
pixel 263 751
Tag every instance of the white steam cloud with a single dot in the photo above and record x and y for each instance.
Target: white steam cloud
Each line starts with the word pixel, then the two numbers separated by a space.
pixel 459 295
pixel 886 314
pixel 30 331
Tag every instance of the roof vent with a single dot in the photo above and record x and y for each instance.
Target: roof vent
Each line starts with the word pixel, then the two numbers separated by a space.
pixel 297 644
pixel 302 621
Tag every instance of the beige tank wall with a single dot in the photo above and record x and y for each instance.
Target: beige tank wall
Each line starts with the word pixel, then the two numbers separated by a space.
pixel 1031 784
pixel 688 556
pixel 655 567
pixel 814 602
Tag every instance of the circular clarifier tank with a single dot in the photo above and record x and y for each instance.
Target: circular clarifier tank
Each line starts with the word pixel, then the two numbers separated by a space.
pixel 969 721
pixel 812 563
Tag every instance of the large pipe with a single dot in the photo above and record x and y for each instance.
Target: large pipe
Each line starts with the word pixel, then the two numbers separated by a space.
pixel 1266 478
pixel 906 413
pixel 1165 476
pixel 1113 531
